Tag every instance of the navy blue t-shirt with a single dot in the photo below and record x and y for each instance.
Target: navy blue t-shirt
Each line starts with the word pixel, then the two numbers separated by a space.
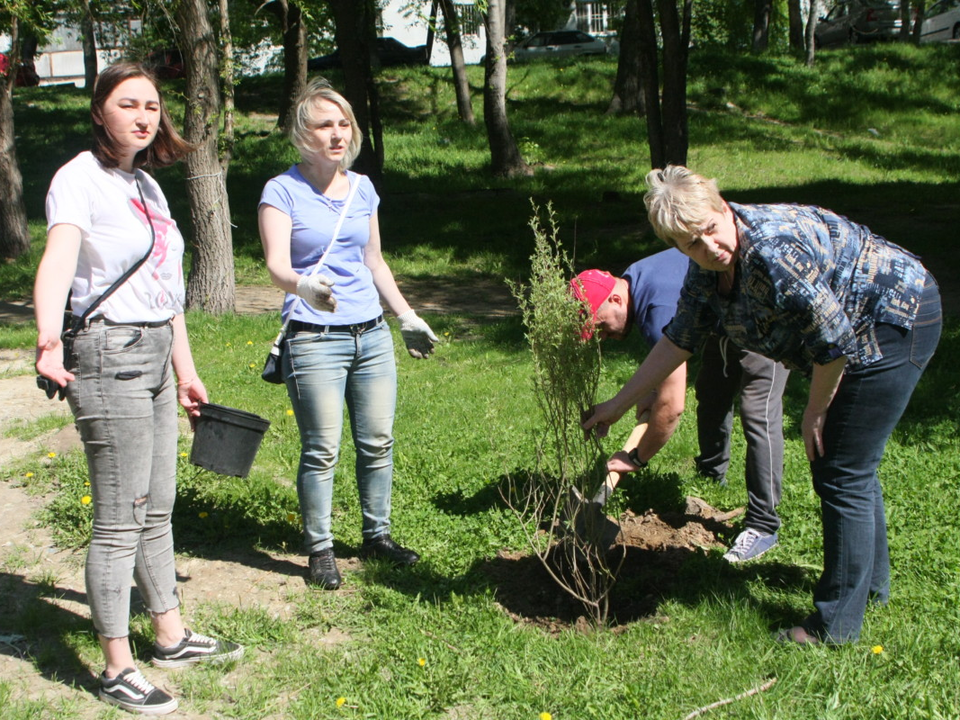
pixel 655 284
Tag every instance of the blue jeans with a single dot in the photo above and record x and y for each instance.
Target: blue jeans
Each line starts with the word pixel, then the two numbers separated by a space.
pixel 725 372
pixel 322 370
pixel 864 412
pixel 124 401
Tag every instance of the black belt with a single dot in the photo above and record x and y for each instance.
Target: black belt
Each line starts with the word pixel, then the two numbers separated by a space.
pixel 295 326
pixel 142 324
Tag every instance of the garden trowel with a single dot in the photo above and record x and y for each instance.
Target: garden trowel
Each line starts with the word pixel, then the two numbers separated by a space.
pixel 587 516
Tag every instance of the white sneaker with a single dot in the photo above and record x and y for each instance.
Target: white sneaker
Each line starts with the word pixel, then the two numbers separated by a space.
pixel 749 545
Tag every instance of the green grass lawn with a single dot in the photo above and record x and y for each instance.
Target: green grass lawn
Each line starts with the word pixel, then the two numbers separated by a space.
pixel 871 132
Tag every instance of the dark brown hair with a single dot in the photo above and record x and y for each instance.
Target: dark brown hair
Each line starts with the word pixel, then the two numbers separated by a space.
pixel 167 147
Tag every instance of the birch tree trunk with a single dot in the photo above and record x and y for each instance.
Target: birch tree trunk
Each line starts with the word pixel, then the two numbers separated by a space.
pixel 211 285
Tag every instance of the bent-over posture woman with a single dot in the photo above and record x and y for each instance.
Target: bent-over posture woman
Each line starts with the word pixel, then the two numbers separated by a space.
pixel 823 295
pixel 104 213
pixel 338 346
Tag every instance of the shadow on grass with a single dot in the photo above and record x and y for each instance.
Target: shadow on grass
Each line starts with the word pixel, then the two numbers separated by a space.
pixel 38 629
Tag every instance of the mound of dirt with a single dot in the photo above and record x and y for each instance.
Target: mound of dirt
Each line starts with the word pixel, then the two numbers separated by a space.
pixel 649 551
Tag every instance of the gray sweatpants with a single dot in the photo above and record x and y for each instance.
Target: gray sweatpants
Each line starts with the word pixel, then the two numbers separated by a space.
pixel 726 371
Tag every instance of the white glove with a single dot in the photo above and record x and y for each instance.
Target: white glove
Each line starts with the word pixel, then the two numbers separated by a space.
pixel 417 335
pixel 317 291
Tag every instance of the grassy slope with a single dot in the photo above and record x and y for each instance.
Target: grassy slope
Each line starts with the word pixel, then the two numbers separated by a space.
pixel 466 417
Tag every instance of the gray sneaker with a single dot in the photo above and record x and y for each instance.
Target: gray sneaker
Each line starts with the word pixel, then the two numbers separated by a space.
pixel 749 545
pixel 196 648
pixel 131 691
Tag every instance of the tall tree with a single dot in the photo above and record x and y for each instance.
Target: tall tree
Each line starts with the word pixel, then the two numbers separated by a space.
pixel 667 133
pixel 461 85
pixel 628 89
pixel 289 15
pixel 356 30
pixel 211 285
pixel 795 17
pixel 14 236
pixel 504 154
pixel 812 19
pixel 761 24
pixel 89 40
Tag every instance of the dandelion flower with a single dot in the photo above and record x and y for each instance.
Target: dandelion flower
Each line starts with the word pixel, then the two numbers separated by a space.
pixel 421 662
pixel 877 649
pixel 249 342
pixel 289 411
pixel 87 484
pixel 341 701
pixel 203 514
pixel 183 454
pixel 253 365
pixel 86 500
pixel 546 716
pixel 51 454
pixel 228 344
pixel 29 475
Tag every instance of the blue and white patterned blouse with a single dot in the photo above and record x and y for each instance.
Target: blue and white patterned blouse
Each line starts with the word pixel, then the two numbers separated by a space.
pixel 810 286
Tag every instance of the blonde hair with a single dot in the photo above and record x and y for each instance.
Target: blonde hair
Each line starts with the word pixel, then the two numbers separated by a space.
pixel 678 202
pixel 300 131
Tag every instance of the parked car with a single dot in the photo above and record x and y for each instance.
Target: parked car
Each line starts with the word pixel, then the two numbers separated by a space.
pixel 390 51
pixel 167 64
pixel 856 21
pixel 941 22
pixel 559 43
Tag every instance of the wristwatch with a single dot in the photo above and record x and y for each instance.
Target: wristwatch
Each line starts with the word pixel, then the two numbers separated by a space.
pixel 632 456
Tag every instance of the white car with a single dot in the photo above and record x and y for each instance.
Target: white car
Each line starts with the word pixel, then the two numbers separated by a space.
pixel 559 43
pixel 941 22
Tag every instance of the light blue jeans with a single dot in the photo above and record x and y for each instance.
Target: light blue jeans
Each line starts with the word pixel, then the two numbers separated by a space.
pixel 124 401
pixel 322 370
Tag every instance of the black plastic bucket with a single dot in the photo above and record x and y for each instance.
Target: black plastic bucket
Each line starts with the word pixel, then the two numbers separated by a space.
pixel 226 440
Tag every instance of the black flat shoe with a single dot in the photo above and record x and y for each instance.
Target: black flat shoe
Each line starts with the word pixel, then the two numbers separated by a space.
pixel 384 548
pixel 323 570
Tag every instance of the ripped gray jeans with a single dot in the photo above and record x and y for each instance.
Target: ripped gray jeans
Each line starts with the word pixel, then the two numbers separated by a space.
pixel 124 401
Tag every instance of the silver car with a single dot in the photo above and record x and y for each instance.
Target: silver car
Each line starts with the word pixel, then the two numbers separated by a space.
pixel 559 43
pixel 941 22
pixel 854 21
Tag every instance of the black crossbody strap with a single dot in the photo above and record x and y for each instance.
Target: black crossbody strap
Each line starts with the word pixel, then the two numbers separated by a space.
pixel 78 322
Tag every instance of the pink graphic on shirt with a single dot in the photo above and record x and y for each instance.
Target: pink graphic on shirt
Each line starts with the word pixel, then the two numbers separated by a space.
pixel 160 227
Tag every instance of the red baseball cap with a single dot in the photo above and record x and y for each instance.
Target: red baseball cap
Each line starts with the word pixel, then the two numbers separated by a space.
pixel 592 287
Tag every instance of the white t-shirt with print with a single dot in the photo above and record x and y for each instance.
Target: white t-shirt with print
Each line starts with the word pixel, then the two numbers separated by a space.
pixel 115 234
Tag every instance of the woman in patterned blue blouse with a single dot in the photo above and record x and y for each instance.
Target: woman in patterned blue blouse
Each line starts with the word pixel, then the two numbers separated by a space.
pixel 825 296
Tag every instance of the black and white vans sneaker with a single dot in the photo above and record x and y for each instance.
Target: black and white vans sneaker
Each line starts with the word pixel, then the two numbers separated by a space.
pixel 196 648
pixel 131 691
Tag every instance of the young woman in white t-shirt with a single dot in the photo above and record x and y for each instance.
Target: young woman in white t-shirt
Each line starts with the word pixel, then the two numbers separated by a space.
pixel 103 215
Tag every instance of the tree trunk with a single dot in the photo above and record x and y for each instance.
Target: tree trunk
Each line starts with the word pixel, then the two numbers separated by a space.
pixel 650 81
pixel 504 154
pixel 628 88
pixel 226 42
pixel 211 285
pixel 905 21
pixel 812 19
pixel 915 33
pixel 356 30
pixel 676 39
pixel 761 25
pixel 290 18
pixel 461 85
pixel 90 66
pixel 14 236
pixel 796 24
pixel 431 29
